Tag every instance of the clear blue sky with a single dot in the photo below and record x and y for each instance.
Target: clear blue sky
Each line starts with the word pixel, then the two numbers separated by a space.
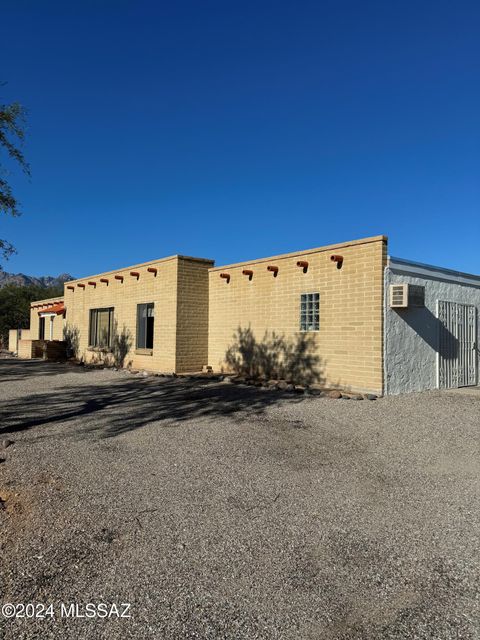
pixel 234 130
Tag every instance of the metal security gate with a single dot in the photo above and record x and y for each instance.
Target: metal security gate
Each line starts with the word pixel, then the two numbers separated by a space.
pixel 457 348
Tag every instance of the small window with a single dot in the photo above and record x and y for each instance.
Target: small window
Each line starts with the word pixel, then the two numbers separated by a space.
pixel 310 312
pixel 100 332
pixel 145 319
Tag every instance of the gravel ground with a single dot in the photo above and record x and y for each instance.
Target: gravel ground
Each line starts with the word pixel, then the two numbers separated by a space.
pixel 231 512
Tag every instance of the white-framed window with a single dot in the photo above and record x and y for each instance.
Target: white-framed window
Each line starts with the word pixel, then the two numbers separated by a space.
pixel 309 312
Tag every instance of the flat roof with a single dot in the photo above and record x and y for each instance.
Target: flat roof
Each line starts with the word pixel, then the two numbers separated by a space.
pixel 143 264
pixel 410 266
pixel 329 247
pixel 47 301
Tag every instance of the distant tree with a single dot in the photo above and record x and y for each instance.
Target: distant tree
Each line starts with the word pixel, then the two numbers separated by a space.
pixel 12 135
pixel 15 306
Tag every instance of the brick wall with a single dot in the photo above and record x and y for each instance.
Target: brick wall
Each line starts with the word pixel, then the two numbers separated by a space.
pixel 192 315
pixel 25 349
pixel 176 347
pixel 197 312
pixel 15 335
pixel 349 340
pixel 13 338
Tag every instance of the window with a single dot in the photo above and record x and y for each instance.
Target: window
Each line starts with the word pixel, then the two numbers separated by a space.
pixel 309 312
pixel 101 328
pixel 145 318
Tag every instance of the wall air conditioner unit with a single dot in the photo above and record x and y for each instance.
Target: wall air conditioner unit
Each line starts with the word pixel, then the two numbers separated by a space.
pixel 403 296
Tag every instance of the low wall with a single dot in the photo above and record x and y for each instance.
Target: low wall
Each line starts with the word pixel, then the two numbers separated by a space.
pixel 25 349
pixel 29 349
pixel 13 340
pixel 14 336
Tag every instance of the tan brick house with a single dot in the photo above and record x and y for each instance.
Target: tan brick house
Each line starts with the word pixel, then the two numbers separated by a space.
pixel 330 315
pixel 342 302
pixel 155 313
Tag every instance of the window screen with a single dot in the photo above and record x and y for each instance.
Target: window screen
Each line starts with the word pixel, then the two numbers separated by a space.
pixel 145 320
pixel 309 312
pixel 101 328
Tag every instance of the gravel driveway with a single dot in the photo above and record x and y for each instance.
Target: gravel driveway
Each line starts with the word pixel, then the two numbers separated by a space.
pixel 232 512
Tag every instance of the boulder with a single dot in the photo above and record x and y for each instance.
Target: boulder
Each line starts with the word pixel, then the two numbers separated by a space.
pixel 334 394
pixel 370 396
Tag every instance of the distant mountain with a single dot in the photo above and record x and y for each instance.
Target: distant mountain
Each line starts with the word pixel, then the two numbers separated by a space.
pixel 22 280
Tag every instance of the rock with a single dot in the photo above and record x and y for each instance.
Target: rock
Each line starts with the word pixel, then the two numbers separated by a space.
pixel 5 443
pixel 316 392
pixel 370 396
pixel 345 397
pixel 357 397
pixel 282 385
pixel 334 394
pixel 226 380
pixel 290 387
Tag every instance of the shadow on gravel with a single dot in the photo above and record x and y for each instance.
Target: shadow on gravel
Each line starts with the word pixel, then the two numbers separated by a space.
pixel 12 370
pixel 109 409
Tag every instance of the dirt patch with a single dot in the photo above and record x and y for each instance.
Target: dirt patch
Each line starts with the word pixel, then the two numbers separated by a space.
pixel 11 503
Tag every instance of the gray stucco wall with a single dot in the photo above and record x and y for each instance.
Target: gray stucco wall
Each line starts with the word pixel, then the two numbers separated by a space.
pixel 411 335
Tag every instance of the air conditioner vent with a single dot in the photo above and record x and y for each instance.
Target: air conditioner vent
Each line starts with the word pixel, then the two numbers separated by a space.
pixel 406 295
pixel 399 296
